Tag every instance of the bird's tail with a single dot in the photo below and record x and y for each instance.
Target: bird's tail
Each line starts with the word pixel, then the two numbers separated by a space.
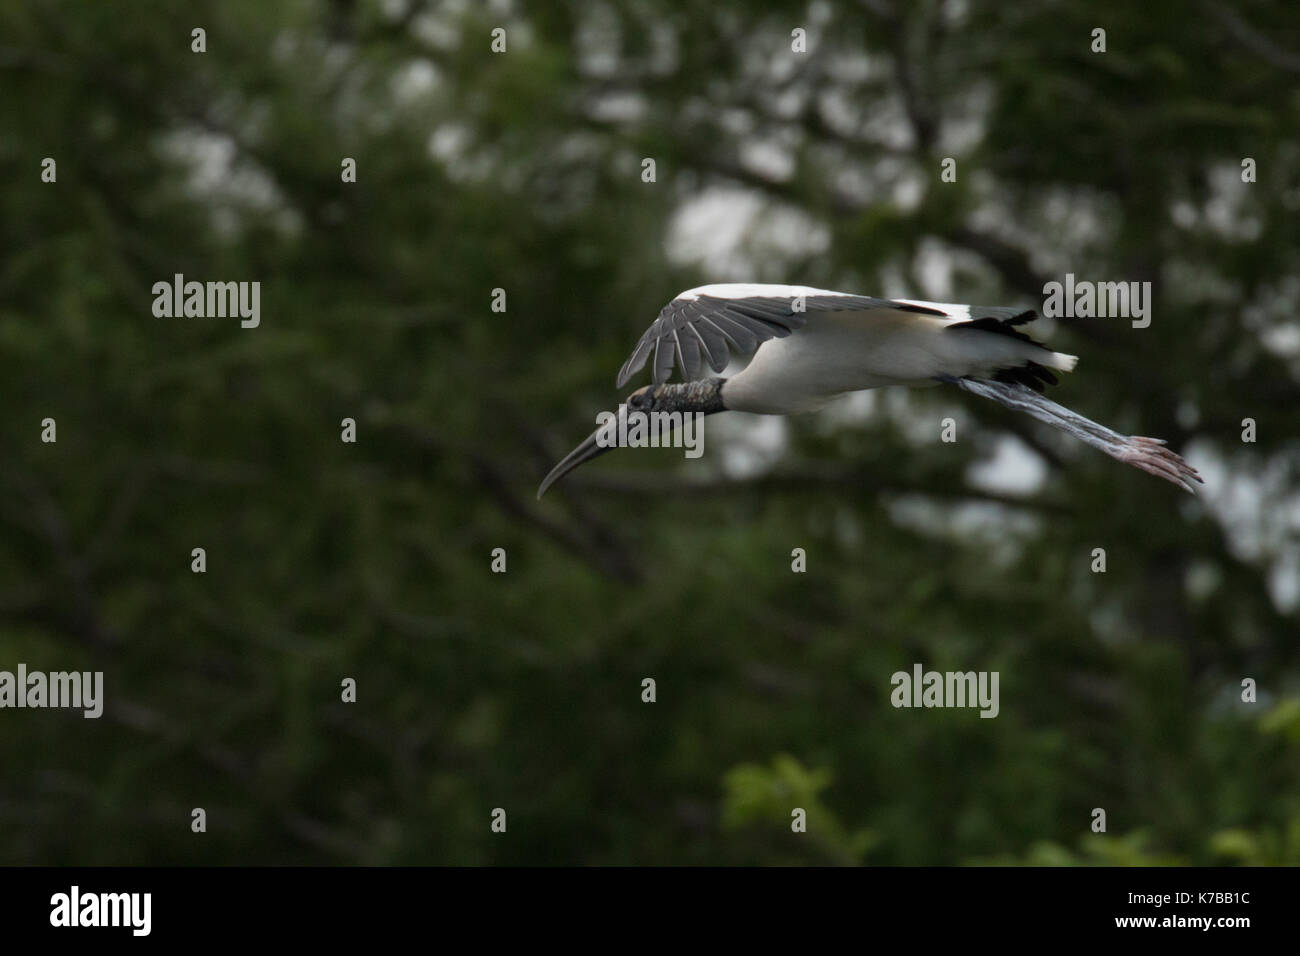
pixel 1060 361
pixel 1149 454
pixel 995 348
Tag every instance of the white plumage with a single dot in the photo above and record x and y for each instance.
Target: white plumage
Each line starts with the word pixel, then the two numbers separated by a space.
pixel 840 352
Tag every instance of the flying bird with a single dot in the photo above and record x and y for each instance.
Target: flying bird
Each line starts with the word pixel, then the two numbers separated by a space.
pixel 811 346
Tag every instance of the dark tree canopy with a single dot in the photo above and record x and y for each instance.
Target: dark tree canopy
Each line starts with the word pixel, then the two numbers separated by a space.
pixel 523 171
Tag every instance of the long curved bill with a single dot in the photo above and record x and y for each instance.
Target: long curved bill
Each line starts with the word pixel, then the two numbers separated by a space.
pixel 589 449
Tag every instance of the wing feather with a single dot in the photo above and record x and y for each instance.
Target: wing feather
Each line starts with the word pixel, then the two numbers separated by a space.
pixel 726 320
pixel 698 330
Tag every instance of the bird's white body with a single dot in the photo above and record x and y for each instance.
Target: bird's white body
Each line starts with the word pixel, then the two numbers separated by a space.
pixel 846 351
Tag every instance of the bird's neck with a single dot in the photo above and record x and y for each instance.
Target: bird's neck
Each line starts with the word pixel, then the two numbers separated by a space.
pixel 703 395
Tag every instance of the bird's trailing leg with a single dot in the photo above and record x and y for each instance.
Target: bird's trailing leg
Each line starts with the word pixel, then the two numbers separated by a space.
pixel 1149 454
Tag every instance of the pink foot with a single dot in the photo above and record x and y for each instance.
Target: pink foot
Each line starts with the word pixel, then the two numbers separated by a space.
pixel 1151 455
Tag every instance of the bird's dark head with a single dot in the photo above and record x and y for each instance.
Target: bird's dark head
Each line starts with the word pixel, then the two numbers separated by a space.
pixel 643 399
pixel 703 396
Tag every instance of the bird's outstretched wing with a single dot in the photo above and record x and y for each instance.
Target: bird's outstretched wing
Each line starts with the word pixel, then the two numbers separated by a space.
pixel 708 323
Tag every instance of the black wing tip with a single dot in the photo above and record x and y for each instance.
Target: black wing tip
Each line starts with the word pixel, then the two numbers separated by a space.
pixel 919 309
pixel 1031 375
pixel 998 327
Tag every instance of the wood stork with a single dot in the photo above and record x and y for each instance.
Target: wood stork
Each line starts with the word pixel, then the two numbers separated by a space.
pixel 811 346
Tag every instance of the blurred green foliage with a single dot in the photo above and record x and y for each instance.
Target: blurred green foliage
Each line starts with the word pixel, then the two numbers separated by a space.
pixel 522 171
pixel 757 794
